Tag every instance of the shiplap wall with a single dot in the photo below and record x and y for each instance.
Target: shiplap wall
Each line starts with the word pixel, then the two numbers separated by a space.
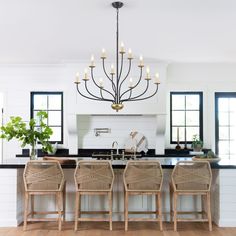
pixel 120 127
pixel 227 200
pixel 8 193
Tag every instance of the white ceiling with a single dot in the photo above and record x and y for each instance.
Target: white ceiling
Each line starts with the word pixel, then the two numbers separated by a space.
pixel 54 31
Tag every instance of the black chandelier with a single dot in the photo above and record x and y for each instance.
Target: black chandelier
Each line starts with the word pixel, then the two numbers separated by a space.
pixel 119 91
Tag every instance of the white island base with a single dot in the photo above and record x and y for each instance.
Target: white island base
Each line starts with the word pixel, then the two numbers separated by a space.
pixel 12 196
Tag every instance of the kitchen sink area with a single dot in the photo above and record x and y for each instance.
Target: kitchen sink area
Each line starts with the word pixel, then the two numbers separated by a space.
pixel 110 155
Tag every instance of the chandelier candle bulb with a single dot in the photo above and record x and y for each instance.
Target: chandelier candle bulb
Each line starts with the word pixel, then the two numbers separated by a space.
pixel 77 81
pixel 112 69
pixel 103 56
pixel 131 83
pixel 86 74
pixel 157 81
pixel 130 54
pixel 101 82
pixel 122 48
pixel 148 73
pixel 92 64
pixel 141 61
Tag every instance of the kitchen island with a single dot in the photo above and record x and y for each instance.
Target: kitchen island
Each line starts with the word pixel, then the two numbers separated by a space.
pixel 223 192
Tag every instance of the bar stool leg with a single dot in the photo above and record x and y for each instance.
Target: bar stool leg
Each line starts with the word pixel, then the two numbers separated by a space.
pixel 209 211
pixel 175 211
pixel 64 203
pixel 110 209
pixel 202 204
pixel 32 205
pixel 126 210
pixel 26 210
pixel 171 203
pixel 157 206
pixel 160 210
pixel 76 210
pixel 59 207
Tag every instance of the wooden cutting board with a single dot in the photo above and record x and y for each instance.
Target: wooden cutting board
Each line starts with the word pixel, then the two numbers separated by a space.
pixel 61 160
pixel 136 140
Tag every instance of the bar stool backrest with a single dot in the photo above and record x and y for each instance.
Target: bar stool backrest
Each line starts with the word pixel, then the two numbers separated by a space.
pixel 143 175
pixel 43 176
pixel 94 176
pixel 192 175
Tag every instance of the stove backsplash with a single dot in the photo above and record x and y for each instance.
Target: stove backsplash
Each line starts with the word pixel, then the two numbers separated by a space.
pixel 100 131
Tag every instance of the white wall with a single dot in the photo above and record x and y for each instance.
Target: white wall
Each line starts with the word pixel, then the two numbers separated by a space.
pixel 120 128
pixel 206 77
pixel 17 81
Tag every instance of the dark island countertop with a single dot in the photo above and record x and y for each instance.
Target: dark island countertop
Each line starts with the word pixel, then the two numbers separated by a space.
pixel 89 152
pixel 166 162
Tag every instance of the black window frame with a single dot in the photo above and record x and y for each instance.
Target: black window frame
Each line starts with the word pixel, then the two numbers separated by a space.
pixel 62 109
pixel 220 95
pixel 200 93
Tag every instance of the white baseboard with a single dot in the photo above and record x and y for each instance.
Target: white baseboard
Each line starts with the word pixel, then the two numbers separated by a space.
pixel 8 223
pixel 227 223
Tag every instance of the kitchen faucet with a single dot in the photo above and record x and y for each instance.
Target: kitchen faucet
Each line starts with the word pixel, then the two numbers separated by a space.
pixel 113 146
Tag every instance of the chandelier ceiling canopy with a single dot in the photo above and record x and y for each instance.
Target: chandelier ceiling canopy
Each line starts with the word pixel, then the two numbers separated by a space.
pixel 121 87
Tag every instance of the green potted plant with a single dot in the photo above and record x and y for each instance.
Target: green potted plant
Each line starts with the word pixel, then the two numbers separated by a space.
pixel 36 131
pixel 197 143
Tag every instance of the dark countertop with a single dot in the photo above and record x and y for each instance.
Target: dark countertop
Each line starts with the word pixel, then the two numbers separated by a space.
pixel 89 152
pixel 166 162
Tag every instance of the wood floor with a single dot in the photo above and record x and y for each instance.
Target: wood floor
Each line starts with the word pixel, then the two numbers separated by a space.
pixel 102 229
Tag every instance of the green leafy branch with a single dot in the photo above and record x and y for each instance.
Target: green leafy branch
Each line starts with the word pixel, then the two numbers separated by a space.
pixel 31 134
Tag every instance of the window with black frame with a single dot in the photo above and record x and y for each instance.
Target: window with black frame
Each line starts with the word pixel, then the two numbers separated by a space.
pixel 52 103
pixel 225 122
pixel 186 116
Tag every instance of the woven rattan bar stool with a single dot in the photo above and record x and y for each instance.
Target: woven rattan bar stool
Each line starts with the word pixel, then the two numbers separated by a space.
pixel 44 178
pixel 143 178
pixel 191 178
pixel 93 178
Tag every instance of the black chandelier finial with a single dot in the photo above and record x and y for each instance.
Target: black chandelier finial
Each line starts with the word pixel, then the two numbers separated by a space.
pixel 118 92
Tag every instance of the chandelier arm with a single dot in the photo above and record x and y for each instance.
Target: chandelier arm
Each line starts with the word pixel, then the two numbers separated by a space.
pixel 93 78
pixel 101 94
pixel 105 72
pixel 125 76
pixel 105 99
pixel 91 98
pixel 112 82
pixel 140 99
pixel 121 65
pixel 133 98
pixel 140 77
pixel 108 93
pixel 86 87
pixel 99 86
pixel 130 94
pixel 141 94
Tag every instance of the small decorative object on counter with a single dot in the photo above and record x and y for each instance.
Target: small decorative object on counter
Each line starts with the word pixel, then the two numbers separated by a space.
pixel 136 142
pixel 210 156
pixel 54 149
pixel 177 147
pixel 197 143
pixel 35 132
